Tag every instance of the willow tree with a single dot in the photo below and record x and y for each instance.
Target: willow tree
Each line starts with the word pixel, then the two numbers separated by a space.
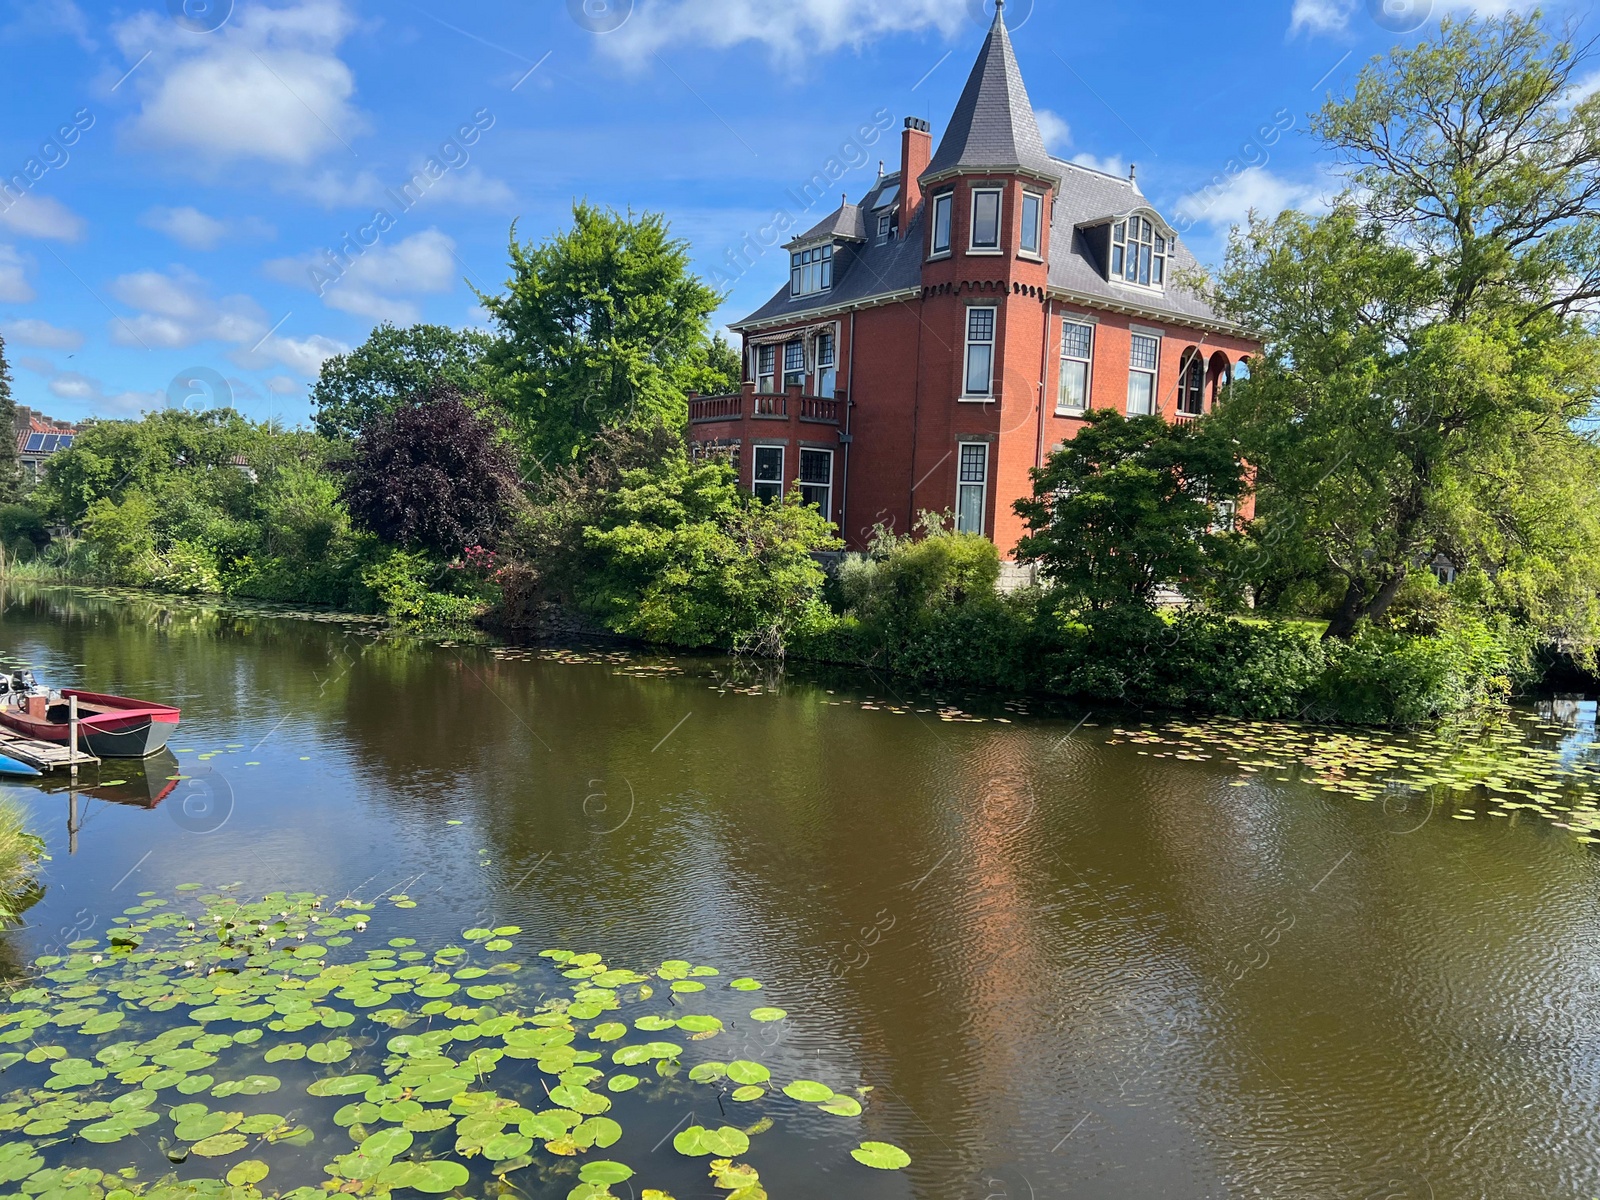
pixel 1431 359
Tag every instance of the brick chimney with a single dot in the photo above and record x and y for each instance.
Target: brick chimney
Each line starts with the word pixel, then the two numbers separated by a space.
pixel 916 151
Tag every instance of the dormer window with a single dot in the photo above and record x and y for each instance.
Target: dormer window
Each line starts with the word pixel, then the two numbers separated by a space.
pixel 885 228
pixel 811 271
pixel 1139 253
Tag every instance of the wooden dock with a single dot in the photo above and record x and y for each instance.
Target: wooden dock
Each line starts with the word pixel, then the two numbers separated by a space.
pixel 43 756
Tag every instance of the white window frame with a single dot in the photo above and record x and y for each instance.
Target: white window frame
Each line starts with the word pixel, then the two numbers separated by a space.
pixel 811 270
pixel 1152 373
pixel 963 487
pixel 966 359
pixel 827 365
pixel 767 356
pixel 1037 249
pixel 885 228
pixel 794 376
pixel 757 482
pixel 1140 252
pixel 826 507
pixel 944 206
pixel 1063 408
pixel 973 246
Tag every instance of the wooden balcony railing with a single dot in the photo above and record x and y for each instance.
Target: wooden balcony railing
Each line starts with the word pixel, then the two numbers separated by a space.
pixel 766 406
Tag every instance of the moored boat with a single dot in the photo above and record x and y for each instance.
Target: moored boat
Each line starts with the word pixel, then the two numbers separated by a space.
pixel 108 726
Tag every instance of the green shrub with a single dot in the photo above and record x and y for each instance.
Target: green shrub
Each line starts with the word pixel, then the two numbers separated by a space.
pixel 187 568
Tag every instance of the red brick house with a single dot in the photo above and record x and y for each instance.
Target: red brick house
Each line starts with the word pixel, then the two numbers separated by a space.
pixel 936 340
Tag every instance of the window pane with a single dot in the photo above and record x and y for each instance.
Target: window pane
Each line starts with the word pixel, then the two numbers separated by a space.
pixel 1074 386
pixel 980 324
pixel 825 350
pixel 1141 393
pixel 1143 355
pixel 986 219
pixel 1158 269
pixel 1116 260
pixel 1119 232
pixel 1030 224
pixel 769 464
pixel 1075 339
pixel 974 462
pixel 980 362
pixel 816 466
pixel 941 223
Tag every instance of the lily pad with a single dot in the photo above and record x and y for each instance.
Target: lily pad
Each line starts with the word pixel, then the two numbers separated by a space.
pixel 745 1071
pixel 604 1172
pixel 767 1014
pixel 220 1146
pixel 808 1091
pixel 881 1155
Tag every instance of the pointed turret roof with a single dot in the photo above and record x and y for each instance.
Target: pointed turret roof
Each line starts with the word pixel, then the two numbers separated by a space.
pixel 993 127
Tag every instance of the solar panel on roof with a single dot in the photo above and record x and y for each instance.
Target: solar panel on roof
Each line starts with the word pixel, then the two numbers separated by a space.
pixel 66 439
pixel 51 441
pixel 35 443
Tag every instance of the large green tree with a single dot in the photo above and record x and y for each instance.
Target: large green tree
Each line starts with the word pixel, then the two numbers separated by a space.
pixel 10 477
pixel 602 324
pixel 1132 505
pixel 394 364
pixel 1430 351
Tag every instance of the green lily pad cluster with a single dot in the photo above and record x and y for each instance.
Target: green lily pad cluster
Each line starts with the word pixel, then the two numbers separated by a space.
pixel 251 1032
pixel 1503 768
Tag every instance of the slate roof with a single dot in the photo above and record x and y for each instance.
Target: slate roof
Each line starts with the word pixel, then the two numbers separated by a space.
pixel 849 221
pixel 993 126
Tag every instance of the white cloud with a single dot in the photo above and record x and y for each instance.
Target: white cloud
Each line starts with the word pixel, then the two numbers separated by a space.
pixel 818 26
pixel 190 227
pixel 1054 128
pixel 1230 201
pixel 331 189
pixel 282 385
pixel 14 285
pixel 303 356
pixel 470 189
pixel 1390 16
pixel 89 392
pixel 30 331
pixel 268 84
pixel 175 310
pixel 1111 165
pixel 377 284
pixel 42 217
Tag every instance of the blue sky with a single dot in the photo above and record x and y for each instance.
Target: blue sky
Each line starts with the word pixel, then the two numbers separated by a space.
pixel 187 165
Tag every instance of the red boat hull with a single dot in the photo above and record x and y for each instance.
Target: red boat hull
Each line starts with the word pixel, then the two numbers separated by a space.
pixel 108 726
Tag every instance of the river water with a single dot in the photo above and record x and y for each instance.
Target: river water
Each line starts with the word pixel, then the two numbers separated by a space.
pixel 1068 959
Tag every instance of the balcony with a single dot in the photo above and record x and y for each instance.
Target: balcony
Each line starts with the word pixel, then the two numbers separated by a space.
pixel 766 406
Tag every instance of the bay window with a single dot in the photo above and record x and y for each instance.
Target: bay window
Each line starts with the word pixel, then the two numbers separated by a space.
pixel 1077 356
pixel 986 219
pixel 1032 218
pixel 943 206
pixel 980 352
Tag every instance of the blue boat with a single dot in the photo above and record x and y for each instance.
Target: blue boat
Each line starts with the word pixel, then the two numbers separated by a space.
pixel 10 766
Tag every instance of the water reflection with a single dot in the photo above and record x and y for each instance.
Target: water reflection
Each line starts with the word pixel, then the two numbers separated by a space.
pixel 1063 965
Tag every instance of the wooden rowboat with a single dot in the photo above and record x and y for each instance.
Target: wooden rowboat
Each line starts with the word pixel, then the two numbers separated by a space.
pixel 108 726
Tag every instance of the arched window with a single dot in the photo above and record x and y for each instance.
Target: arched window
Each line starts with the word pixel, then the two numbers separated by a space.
pixel 1192 384
pixel 1240 372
